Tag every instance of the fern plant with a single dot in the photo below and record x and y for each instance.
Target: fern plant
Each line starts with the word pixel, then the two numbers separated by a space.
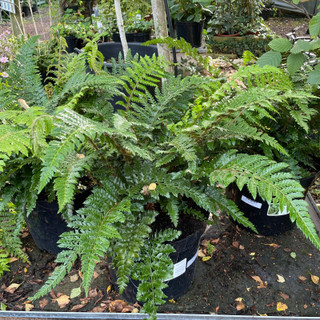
pixel 148 161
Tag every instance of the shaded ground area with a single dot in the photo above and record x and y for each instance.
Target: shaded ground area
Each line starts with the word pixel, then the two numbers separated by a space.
pixel 247 274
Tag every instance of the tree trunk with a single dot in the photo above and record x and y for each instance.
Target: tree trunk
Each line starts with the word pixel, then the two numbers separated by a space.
pixel 160 26
pixel 121 28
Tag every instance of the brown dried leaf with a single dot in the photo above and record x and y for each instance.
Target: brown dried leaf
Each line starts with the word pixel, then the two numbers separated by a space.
pixel 93 293
pixel 201 254
pixel 77 307
pixel 284 296
pixel 240 305
pixel 261 283
pixel 43 303
pixel 215 241
pixel 117 306
pixel 127 309
pixel 53 295
pixel 13 259
pixel 95 274
pixel 302 278
pixel 235 244
pixel 274 245
pixel 63 300
pixel 241 247
pixel 12 288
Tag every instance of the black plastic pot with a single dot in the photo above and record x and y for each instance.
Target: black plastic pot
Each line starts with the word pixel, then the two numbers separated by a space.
pixel 133 37
pixel 184 267
pixel 112 50
pixel 72 43
pixel 46 226
pixel 268 220
pixel 26 11
pixel 190 31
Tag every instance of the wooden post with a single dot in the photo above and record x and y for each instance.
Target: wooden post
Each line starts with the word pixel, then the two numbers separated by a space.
pixel 160 27
pixel 16 20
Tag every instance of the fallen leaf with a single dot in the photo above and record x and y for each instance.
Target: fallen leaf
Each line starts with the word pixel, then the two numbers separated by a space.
pixel 74 278
pixel 261 283
pixel 172 301
pixel 43 303
pixel 235 244
pixel 284 296
pixel 201 254
pixel 25 270
pixel 252 253
pixel 93 293
pixel 53 295
pixel 293 255
pixel 95 274
pixel 215 241
pixel 109 288
pixel 127 309
pixel 280 279
pixel 241 247
pixel 274 245
pixel 240 305
pixel 315 279
pixel 302 278
pixel 204 259
pixel 305 306
pixel 28 307
pixel 12 288
pixel 63 300
pixel 75 292
pixel 217 309
pixel 262 314
pixel 13 259
pixel 80 156
pixel 80 274
pixel 100 309
pixel 77 307
pixel 281 306
pixel 135 310
pixel 117 305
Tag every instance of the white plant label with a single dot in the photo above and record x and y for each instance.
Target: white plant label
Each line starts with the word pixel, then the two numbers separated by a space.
pixel 251 203
pixel 7 5
pixel 192 260
pixel 273 211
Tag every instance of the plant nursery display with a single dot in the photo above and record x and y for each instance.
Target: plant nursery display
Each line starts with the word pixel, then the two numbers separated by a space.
pixel 144 171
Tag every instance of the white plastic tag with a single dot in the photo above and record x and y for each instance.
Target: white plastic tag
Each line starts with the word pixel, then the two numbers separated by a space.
pixel 251 203
pixel 273 211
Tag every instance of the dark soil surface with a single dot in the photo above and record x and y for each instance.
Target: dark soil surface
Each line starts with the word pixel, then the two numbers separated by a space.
pixel 247 274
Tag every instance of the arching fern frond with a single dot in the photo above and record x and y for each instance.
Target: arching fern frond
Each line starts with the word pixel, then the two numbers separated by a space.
pixel 268 179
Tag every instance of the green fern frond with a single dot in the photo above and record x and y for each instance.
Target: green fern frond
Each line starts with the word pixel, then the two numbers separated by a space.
pixel 14 140
pixel 24 75
pixel 73 130
pixel 269 180
pixel 4 262
pixel 101 212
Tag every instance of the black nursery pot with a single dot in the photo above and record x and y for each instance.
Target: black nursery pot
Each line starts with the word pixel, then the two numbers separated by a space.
pixel 72 43
pixel 133 37
pixel 190 31
pixel 26 11
pixel 184 267
pixel 46 226
pixel 268 220
pixel 112 50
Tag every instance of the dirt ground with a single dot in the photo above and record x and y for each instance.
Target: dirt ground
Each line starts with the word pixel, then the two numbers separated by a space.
pixel 247 274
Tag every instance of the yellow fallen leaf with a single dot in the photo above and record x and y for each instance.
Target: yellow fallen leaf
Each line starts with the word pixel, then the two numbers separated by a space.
pixel 152 186
pixel 206 258
pixel 281 306
pixel 280 279
pixel 172 301
pixel 63 300
pixel 315 279
pixel 135 310
pixel 28 307
pixel 109 288
pixel 12 288
pixel 25 270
